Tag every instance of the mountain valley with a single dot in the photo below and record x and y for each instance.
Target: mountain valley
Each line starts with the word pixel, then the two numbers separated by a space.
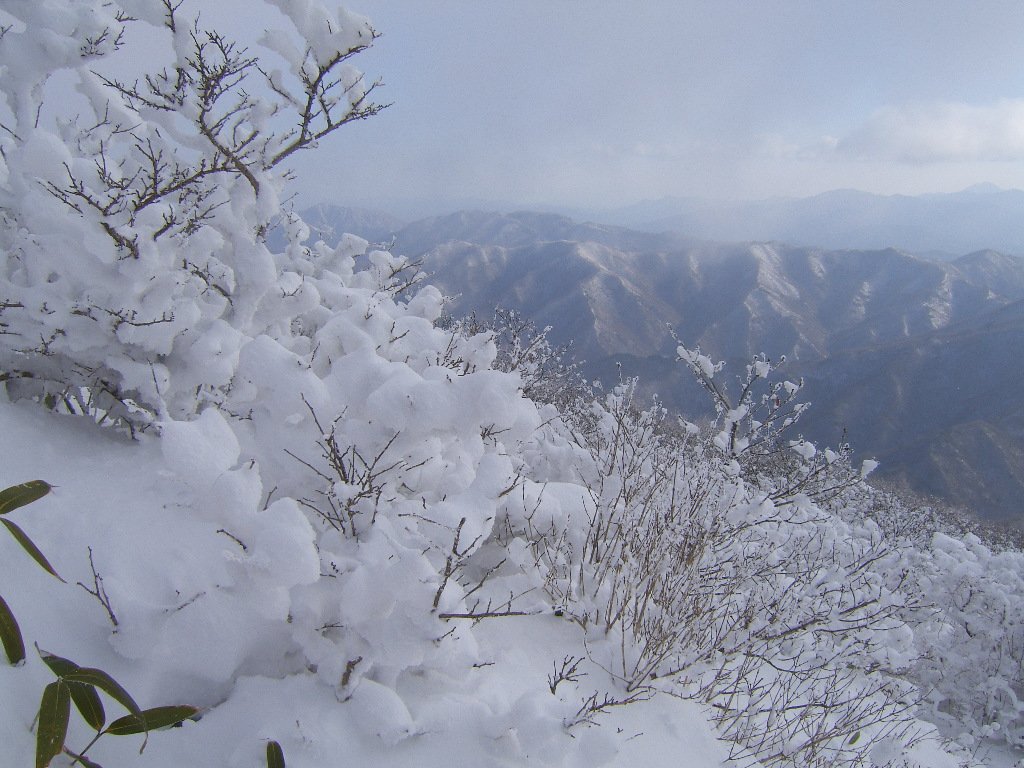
pixel 914 360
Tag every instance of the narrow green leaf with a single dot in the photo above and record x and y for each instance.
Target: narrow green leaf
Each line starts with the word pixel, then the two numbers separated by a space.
pixel 87 700
pixel 28 546
pixel 88 703
pixel 20 495
pixel 853 739
pixel 52 728
pixel 275 755
pixel 107 684
pixel 59 666
pixel 10 635
pixel 103 681
pixel 157 717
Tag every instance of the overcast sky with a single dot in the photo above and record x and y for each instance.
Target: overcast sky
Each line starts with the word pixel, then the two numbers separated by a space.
pixel 598 103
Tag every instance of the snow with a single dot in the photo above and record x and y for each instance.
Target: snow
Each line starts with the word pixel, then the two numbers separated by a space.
pixel 806 449
pixel 769 272
pixel 140 506
pixel 701 363
pixel 867 467
pixel 202 449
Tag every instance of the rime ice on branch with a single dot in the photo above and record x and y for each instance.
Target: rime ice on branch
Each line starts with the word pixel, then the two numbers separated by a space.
pixel 162 188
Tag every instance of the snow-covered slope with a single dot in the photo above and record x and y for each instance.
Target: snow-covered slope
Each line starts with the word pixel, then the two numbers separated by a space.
pixel 203 622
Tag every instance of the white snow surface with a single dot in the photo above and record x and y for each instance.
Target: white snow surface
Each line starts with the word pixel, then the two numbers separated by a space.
pixel 203 623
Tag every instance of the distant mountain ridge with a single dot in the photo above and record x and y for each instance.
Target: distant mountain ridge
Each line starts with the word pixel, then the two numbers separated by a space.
pixel 976 218
pixel 916 360
pixel 328 222
pixel 521 228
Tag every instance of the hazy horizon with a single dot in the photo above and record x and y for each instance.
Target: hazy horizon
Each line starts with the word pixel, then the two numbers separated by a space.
pixel 606 104
pixel 602 104
pixel 415 208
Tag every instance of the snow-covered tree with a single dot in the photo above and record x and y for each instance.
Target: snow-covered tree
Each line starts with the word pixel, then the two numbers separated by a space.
pixel 133 262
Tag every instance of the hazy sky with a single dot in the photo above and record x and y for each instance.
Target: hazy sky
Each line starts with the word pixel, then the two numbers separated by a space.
pixel 605 103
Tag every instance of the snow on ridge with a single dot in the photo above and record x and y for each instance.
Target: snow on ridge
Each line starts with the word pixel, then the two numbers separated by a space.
pixel 770 273
pixel 861 299
pixel 940 305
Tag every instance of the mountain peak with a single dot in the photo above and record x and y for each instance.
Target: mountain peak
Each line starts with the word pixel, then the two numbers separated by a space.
pixel 982 188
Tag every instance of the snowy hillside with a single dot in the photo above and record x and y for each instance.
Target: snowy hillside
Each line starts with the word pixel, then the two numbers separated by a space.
pixel 328 632
pixel 274 496
pixel 204 622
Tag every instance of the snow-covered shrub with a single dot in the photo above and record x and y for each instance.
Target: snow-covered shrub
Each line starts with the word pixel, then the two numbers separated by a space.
pixel 400 462
pixel 132 263
pixel 715 579
pixel 751 429
pixel 972 646
pixel 913 520
pixel 968 599
pixel 333 476
pixel 830 624
pixel 548 374
pixel 763 410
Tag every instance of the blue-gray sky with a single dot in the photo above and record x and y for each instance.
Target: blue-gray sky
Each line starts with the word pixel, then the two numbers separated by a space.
pixel 599 103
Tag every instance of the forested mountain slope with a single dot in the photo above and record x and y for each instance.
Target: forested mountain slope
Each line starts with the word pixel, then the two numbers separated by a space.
pixel 913 359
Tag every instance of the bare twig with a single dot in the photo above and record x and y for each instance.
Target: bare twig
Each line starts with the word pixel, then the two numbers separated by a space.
pixel 99 592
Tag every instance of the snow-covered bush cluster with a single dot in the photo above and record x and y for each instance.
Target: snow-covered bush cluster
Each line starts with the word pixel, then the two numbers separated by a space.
pixel 345 525
pixel 967 622
pixel 133 272
pixel 547 374
pixel 766 607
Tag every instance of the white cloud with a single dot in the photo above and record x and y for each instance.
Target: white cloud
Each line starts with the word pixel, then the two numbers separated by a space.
pixel 777 146
pixel 940 132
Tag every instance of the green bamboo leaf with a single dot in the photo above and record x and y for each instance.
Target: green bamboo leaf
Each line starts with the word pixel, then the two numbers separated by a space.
pixel 275 755
pixel 88 703
pixel 52 728
pixel 156 717
pixel 58 665
pixel 103 681
pixel 107 684
pixel 87 700
pixel 28 546
pixel 10 635
pixel 20 495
